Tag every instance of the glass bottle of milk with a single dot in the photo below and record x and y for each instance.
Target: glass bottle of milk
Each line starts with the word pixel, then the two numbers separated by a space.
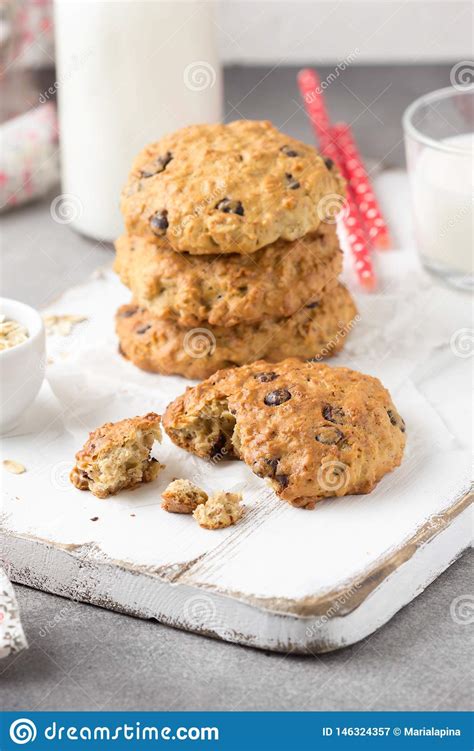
pixel 128 72
pixel 439 138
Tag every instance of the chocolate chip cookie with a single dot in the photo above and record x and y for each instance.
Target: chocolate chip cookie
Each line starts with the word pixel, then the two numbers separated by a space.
pixel 317 330
pixel 313 431
pixel 227 188
pixel 227 290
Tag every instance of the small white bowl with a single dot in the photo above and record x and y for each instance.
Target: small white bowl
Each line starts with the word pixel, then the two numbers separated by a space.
pixel 21 367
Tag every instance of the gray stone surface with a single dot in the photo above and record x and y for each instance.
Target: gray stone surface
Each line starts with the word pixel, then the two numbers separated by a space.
pixel 84 658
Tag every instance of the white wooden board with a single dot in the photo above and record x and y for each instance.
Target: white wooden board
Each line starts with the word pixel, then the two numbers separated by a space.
pixel 283 578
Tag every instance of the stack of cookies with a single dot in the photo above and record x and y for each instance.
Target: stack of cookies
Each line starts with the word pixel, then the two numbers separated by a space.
pixel 230 252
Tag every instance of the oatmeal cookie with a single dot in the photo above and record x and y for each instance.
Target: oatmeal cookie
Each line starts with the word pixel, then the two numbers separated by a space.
pixel 227 290
pixel 221 510
pixel 313 431
pixel 227 188
pixel 182 497
pixel 317 330
pixel 117 456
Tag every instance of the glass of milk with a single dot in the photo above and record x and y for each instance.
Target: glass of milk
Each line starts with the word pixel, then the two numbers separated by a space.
pixel 439 141
pixel 128 72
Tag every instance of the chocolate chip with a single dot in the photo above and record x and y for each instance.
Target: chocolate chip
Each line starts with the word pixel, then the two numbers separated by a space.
pixel 160 165
pixel 333 414
pixel 392 417
pixel 94 518
pixel 288 152
pixel 273 464
pixel 314 304
pixel 329 163
pixel 129 312
pixel 266 467
pixel 230 207
pixel 159 222
pixel 218 445
pixel 265 377
pixel 396 420
pixel 277 397
pixel 142 329
pixel 329 435
pixel 292 183
pixel 282 480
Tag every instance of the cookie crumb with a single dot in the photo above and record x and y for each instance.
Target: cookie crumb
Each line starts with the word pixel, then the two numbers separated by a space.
pixel 221 510
pixel 14 467
pixel 182 497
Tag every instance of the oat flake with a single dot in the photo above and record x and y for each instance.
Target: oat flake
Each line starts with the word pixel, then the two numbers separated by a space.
pixel 14 467
pixel 62 324
pixel 11 333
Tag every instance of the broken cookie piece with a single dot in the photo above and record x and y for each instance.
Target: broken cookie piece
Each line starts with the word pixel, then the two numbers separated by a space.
pixel 182 497
pixel 221 510
pixel 312 431
pixel 117 456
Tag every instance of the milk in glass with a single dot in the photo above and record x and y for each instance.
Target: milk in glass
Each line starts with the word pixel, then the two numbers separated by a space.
pixel 442 181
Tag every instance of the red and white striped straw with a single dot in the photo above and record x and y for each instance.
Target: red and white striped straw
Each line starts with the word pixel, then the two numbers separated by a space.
pixel 359 182
pixel 309 85
pixel 310 89
pixel 356 235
